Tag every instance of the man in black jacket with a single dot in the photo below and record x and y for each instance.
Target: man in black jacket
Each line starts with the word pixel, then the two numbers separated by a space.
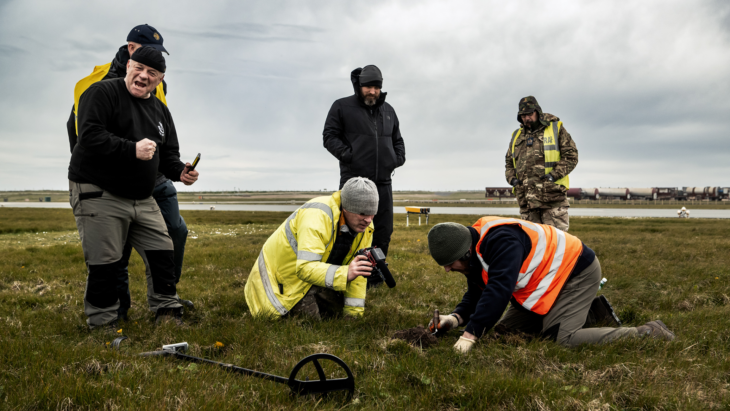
pixel 126 135
pixel 362 131
pixel 165 193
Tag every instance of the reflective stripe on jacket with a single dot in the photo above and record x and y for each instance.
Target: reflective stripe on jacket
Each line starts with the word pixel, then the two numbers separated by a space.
pixel 294 258
pixel 543 273
pixel 98 74
pixel 550 147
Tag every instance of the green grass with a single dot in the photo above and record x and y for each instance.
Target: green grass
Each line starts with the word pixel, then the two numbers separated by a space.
pixel 673 270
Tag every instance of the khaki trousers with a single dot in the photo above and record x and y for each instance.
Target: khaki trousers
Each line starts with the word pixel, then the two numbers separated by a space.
pixel 105 222
pixel 557 217
pixel 564 322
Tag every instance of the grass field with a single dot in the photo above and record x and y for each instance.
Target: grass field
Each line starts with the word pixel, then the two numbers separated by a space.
pixel 673 270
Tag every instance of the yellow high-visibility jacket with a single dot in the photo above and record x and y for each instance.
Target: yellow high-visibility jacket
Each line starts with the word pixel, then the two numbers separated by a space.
pixel 98 74
pixel 294 258
pixel 551 148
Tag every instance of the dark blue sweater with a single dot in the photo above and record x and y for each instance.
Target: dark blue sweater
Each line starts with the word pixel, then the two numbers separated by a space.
pixel 504 249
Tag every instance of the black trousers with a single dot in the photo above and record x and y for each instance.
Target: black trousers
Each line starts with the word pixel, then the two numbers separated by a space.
pixel 383 223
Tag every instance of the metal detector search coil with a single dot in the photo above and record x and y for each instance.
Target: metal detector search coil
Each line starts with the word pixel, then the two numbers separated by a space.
pixel 299 387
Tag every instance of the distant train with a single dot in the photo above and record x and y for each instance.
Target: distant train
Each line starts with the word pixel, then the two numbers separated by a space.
pixel 635 193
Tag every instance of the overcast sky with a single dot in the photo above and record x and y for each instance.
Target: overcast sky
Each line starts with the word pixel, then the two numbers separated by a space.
pixel 643 87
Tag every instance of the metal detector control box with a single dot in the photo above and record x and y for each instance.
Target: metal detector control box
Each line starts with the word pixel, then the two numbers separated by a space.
pixel 177 347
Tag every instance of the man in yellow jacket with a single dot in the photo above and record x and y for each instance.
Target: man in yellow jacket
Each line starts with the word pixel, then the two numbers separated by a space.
pixel 308 266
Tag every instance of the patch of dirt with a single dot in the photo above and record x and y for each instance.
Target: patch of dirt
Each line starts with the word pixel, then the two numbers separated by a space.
pixel 417 336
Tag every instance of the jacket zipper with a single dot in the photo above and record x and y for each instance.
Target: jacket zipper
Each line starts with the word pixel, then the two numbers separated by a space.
pixel 375 124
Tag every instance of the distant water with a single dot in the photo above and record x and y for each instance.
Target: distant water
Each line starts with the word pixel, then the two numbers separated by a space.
pixel 576 212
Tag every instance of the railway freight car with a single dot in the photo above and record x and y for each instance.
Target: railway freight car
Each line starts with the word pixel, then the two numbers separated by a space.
pixel 499 192
pixel 642 193
pixel 702 193
pixel 589 193
pixel 724 193
pixel 609 192
pixel 575 193
pixel 669 193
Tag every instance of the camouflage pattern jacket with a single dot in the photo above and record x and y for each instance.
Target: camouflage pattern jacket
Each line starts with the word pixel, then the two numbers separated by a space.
pixel 532 192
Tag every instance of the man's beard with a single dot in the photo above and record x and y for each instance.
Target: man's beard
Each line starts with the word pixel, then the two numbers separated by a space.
pixel 531 124
pixel 370 100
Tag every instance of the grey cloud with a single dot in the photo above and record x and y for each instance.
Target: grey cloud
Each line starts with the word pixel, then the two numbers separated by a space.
pixel 641 86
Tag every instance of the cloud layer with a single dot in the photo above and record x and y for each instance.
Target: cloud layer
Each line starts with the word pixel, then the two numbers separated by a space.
pixel 642 87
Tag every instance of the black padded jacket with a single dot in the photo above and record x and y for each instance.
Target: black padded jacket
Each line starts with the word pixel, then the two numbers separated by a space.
pixel 365 139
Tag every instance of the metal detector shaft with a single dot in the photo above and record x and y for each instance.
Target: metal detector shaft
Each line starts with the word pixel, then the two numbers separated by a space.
pixel 317 386
pixel 231 367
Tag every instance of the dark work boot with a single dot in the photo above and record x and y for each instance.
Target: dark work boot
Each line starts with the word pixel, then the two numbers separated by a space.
pixel 601 314
pixel 165 315
pixel 656 329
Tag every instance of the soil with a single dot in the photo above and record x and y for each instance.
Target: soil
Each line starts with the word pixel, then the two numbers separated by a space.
pixel 417 336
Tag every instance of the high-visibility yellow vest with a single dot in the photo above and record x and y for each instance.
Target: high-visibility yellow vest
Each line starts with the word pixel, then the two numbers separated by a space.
pixel 544 272
pixel 295 257
pixel 98 74
pixel 551 149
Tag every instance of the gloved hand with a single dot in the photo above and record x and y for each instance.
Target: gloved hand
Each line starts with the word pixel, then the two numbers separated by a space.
pixel 548 177
pixel 515 181
pixel 464 345
pixel 446 323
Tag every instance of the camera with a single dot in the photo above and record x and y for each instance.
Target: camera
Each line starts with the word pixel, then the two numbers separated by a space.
pixel 380 267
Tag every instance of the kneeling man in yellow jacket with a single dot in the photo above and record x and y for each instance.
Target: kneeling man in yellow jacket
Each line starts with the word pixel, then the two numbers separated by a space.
pixel 308 266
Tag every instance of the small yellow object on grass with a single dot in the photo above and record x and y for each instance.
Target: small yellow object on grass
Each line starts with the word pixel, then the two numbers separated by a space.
pixel 119 331
pixel 219 344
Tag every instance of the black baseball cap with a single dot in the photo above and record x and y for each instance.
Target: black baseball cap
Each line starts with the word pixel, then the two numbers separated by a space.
pixel 147 35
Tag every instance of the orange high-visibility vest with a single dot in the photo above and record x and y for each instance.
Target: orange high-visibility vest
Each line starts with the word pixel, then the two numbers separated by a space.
pixel 544 272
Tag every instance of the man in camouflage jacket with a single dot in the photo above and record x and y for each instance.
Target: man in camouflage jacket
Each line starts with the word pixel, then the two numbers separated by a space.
pixel 541 200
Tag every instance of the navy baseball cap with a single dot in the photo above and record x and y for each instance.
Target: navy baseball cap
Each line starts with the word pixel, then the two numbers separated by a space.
pixel 147 35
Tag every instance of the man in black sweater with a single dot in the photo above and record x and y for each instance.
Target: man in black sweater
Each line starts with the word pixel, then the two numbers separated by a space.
pixel 362 131
pixel 165 193
pixel 125 136
pixel 550 278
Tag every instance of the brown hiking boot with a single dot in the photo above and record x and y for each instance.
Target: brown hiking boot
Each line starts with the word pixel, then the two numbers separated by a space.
pixel 166 315
pixel 656 329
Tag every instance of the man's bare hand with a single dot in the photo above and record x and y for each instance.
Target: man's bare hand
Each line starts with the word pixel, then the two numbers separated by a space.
pixel 146 149
pixel 188 177
pixel 359 266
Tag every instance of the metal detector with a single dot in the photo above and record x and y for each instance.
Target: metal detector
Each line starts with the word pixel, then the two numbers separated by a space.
pixel 299 387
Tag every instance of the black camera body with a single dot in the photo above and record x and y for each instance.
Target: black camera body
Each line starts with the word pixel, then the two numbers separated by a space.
pixel 380 267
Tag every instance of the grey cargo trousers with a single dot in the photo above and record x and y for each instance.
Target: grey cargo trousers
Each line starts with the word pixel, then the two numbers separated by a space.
pixel 104 222
pixel 564 322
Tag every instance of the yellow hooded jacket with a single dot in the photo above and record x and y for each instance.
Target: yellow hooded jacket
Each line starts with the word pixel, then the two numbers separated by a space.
pixel 294 258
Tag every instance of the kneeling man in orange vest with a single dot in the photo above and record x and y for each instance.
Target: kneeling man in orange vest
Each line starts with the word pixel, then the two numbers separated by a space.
pixel 549 276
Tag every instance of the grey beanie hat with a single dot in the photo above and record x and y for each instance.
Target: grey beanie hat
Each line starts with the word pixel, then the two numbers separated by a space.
pixel 360 196
pixel 448 242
